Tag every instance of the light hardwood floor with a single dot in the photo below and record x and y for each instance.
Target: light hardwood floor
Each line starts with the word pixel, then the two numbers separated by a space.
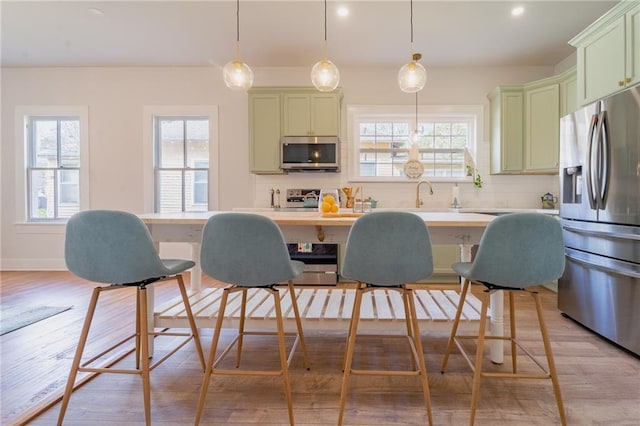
pixel 600 383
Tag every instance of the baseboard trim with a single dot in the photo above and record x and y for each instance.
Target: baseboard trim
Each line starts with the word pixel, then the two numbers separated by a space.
pixel 52 264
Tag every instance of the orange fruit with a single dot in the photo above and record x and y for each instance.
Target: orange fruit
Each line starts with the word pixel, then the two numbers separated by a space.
pixel 325 207
pixel 329 199
pixel 334 208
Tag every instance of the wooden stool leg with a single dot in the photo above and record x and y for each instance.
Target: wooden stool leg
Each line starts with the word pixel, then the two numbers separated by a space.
pixel 144 354
pixel 192 321
pixel 344 360
pixel 454 328
pixel 212 356
pixel 283 354
pixel 420 352
pixel 551 363
pixel 407 319
pixel 243 306
pixel 512 326
pixel 75 365
pixel 137 339
pixel 351 342
pixel 296 311
pixel 479 356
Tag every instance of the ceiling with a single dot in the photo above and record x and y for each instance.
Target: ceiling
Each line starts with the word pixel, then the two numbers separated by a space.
pixel 290 33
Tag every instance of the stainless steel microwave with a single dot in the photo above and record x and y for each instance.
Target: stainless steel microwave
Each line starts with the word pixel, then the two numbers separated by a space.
pixel 310 153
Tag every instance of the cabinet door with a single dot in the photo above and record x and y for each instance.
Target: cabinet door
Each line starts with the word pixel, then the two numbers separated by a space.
pixel 297 114
pixel 325 115
pixel 264 133
pixel 506 132
pixel 632 75
pixel 542 128
pixel 569 95
pixel 443 257
pixel 601 62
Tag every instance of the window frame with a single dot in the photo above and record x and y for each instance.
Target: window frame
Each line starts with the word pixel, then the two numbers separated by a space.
pixel 158 168
pixel 407 113
pixel 150 113
pixel 23 115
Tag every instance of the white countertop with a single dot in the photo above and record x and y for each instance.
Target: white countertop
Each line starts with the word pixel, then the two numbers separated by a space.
pixel 485 210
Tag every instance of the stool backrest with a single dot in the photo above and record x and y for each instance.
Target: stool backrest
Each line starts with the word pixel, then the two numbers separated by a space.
pixel 387 249
pixel 520 249
pixel 109 246
pixel 245 249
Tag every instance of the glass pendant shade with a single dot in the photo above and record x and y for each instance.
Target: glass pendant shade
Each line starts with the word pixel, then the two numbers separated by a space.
pixel 237 75
pixel 412 77
pixel 325 76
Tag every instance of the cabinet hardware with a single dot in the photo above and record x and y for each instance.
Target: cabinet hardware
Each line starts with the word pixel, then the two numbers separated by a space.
pixel 621 83
pixel 627 80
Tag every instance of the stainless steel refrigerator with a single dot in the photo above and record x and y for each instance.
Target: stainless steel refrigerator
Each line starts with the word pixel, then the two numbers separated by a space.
pixel 600 213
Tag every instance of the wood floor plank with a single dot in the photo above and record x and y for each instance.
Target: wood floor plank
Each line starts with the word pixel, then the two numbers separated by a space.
pixel 599 382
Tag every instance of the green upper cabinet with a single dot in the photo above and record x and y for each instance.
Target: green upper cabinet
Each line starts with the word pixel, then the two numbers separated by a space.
pixel 569 92
pixel 542 128
pixel 525 124
pixel 311 114
pixel 264 131
pixel 287 111
pixel 609 53
pixel 506 129
pixel 633 46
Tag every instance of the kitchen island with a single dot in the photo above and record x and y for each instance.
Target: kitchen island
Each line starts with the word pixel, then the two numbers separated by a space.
pixel 463 229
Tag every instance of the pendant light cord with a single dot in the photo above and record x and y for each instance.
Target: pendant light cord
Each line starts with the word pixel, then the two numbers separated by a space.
pixel 238 21
pixel 325 21
pixel 411 26
pixel 324 49
pixel 416 129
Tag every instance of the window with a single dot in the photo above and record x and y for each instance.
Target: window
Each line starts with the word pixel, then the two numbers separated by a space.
pixel 181 164
pixel 381 141
pixel 53 146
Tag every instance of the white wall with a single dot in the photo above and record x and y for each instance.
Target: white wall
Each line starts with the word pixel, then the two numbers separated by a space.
pixel 116 98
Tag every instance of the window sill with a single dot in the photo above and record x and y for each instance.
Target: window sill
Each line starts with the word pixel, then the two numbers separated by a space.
pixel 57 227
pixel 407 180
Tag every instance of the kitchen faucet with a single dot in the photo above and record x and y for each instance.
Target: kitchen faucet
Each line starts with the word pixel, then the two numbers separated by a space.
pixel 418 200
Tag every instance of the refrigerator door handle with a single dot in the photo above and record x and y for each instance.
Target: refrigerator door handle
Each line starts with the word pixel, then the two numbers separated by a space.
pixel 591 165
pixel 603 160
pixel 603 263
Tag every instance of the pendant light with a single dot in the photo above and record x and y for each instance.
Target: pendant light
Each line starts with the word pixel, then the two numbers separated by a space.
pixel 324 74
pixel 412 76
pixel 237 75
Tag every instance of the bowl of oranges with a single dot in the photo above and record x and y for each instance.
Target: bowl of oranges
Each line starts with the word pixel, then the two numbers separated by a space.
pixel 328 201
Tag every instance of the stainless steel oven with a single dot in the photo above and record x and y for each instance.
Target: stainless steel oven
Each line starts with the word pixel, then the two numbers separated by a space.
pixel 320 263
pixel 320 259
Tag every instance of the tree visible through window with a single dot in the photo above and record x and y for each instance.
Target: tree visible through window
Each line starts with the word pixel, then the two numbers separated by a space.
pixel 382 139
pixel 53 167
pixel 181 164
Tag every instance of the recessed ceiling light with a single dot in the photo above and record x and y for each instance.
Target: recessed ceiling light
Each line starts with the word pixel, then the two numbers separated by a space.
pixel 343 11
pixel 517 11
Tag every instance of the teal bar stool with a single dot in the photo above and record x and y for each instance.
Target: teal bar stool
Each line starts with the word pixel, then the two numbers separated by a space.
pixel 388 250
pixel 517 251
pixel 114 247
pixel 249 251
